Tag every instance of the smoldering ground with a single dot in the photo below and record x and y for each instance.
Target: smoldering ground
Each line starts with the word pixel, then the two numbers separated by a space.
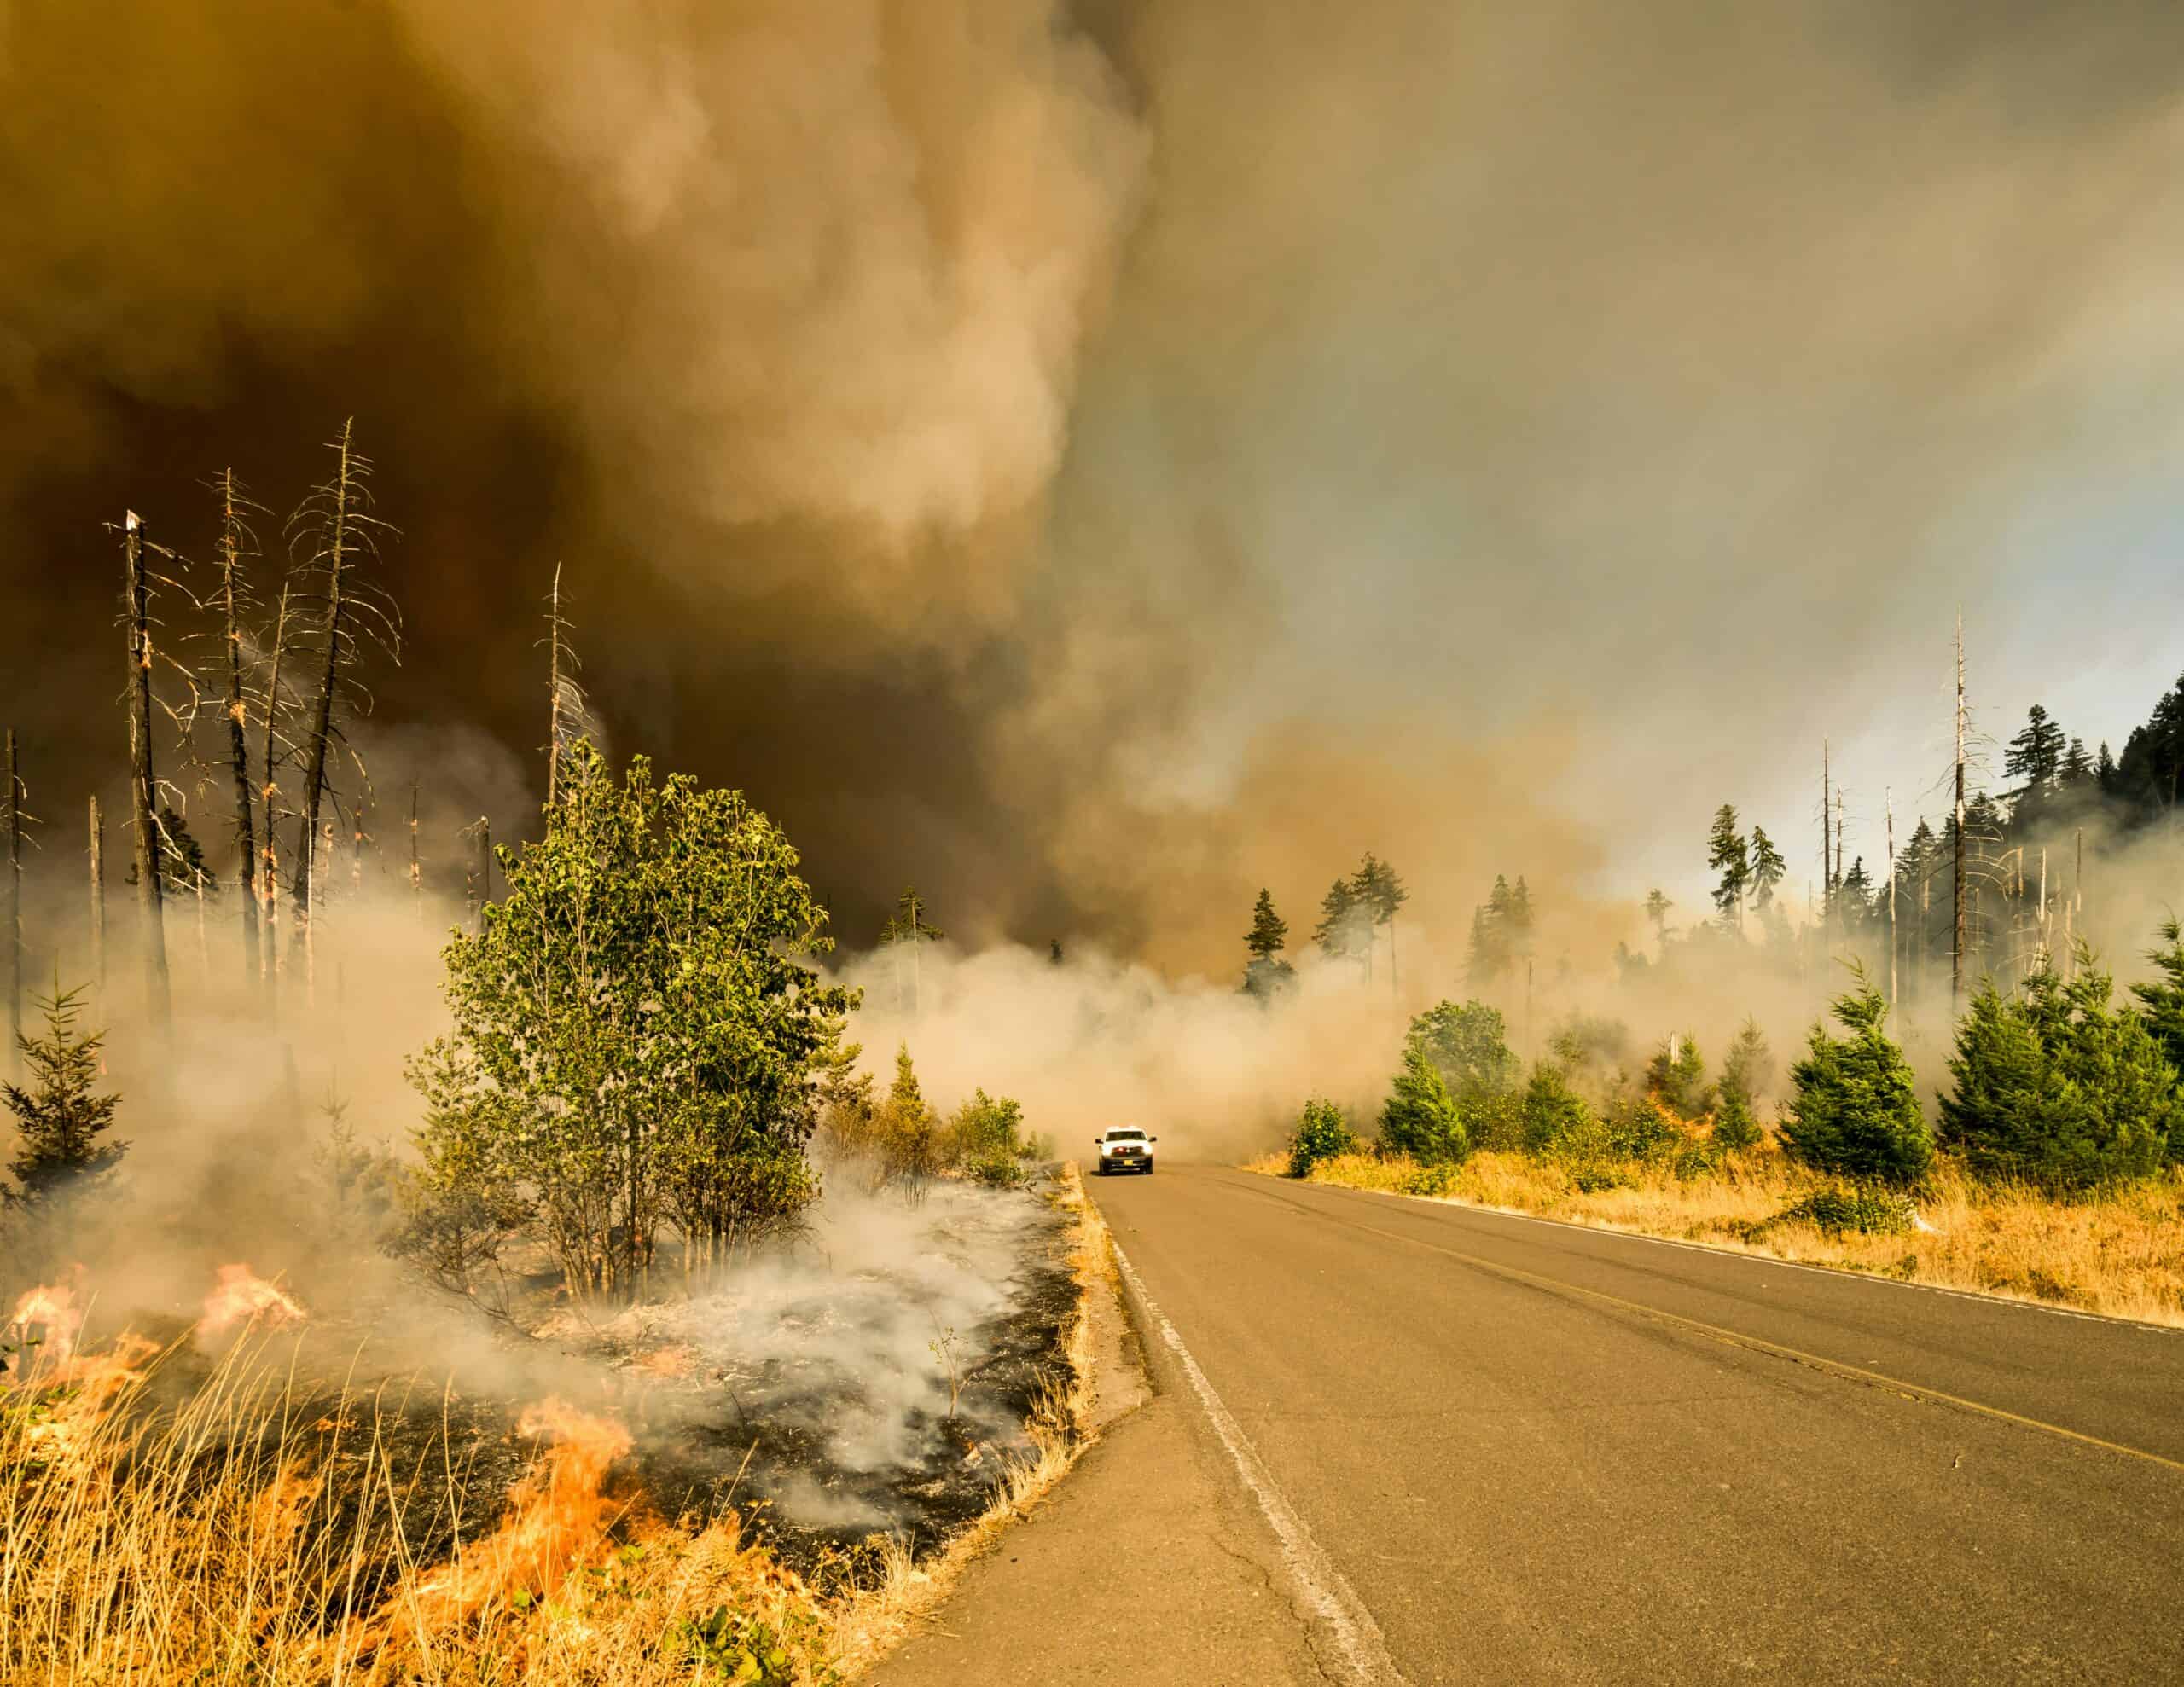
pixel 982 430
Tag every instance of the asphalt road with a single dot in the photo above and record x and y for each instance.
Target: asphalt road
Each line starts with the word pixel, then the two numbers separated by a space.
pixel 1471 1447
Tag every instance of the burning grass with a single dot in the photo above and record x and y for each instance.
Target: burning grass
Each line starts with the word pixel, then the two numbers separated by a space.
pixel 2121 1254
pixel 175 1514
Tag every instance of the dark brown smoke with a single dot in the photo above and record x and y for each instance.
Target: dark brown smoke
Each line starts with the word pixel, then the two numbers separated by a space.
pixel 1093 462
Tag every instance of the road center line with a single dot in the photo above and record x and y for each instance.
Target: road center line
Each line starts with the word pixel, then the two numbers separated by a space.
pixel 1329 1595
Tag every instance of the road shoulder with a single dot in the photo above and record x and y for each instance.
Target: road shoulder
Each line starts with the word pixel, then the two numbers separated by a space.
pixel 1147 1565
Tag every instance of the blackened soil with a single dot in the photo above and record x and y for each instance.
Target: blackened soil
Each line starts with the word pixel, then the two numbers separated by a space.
pixel 767 1449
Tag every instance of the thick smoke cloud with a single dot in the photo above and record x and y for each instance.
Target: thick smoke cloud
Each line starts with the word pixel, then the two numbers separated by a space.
pixel 1093 463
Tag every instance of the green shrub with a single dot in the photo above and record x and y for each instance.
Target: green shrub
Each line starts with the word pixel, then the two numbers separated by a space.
pixel 1637 1129
pixel 1420 1118
pixel 1596 1177
pixel 1854 1111
pixel 1870 1209
pixel 1321 1133
pixel 988 1140
pixel 1698 1160
pixel 1437 1179
pixel 2058 1087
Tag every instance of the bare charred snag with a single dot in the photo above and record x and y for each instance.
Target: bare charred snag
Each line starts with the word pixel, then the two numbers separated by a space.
pixel 13 813
pixel 568 716
pixel 98 902
pixel 233 538
pixel 337 523
pixel 1957 947
pixel 485 867
pixel 269 950
pixel 143 791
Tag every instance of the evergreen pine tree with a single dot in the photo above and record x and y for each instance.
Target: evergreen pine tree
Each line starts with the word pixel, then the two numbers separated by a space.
pixel 2077 765
pixel 1677 1075
pixel 1266 974
pixel 60 1118
pixel 1854 898
pixel 1745 1073
pixel 2058 1087
pixel 1345 931
pixel 1767 869
pixel 2036 754
pixel 1521 918
pixel 1419 1117
pixel 1854 1109
pixel 1730 855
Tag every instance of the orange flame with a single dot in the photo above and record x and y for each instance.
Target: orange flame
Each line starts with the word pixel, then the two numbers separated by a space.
pixel 240 1295
pixel 557 1513
pixel 50 1317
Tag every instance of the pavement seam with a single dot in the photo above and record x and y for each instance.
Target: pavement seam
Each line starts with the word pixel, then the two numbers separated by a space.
pixel 1759 1344
pixel 1327 1594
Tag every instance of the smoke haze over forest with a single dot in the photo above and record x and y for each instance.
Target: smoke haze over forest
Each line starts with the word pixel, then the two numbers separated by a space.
pixel 1090 462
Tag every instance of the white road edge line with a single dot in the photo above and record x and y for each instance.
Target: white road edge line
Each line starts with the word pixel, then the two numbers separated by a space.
pixel 1326 1592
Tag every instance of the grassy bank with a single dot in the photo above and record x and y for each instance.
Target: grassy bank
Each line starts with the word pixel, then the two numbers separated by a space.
pixel 2121 1254
pixel 168 1517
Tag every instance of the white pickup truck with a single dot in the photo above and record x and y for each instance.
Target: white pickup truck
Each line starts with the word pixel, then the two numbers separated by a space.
pixel 1125 1149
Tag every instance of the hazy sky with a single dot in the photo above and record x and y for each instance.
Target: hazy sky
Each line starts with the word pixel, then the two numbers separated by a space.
pixel 1095 463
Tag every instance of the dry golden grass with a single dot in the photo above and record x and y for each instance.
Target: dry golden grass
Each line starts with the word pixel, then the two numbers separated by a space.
pixel 262 1533
pixel 2121 1254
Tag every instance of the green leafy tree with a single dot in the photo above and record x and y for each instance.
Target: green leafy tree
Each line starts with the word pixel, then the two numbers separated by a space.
pixel 61 1118
pixel 988 1139
pixel 1266 974
pixel 1730 856
pixel 1419 1116
pixel 1469 1045
pixel 636 1037
pixel 1321 1133
pixel 1747 1073
pixel 1767 869
pixel 1854 1109
pixel 2057 1086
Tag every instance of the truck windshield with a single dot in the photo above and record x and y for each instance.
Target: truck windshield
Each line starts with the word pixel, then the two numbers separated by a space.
pixel 1125 1136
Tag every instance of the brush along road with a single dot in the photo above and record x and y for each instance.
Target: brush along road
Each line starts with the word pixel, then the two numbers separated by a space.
pixel 1487 1449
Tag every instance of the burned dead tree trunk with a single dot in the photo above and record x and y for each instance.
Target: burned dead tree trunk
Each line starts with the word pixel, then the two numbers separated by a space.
pixel 1956 949
pixel 337 558
pixel 269 942
pixel 342 534
pixel 98 904
pixel 143 784
pixel 232 536
pixel 14 815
